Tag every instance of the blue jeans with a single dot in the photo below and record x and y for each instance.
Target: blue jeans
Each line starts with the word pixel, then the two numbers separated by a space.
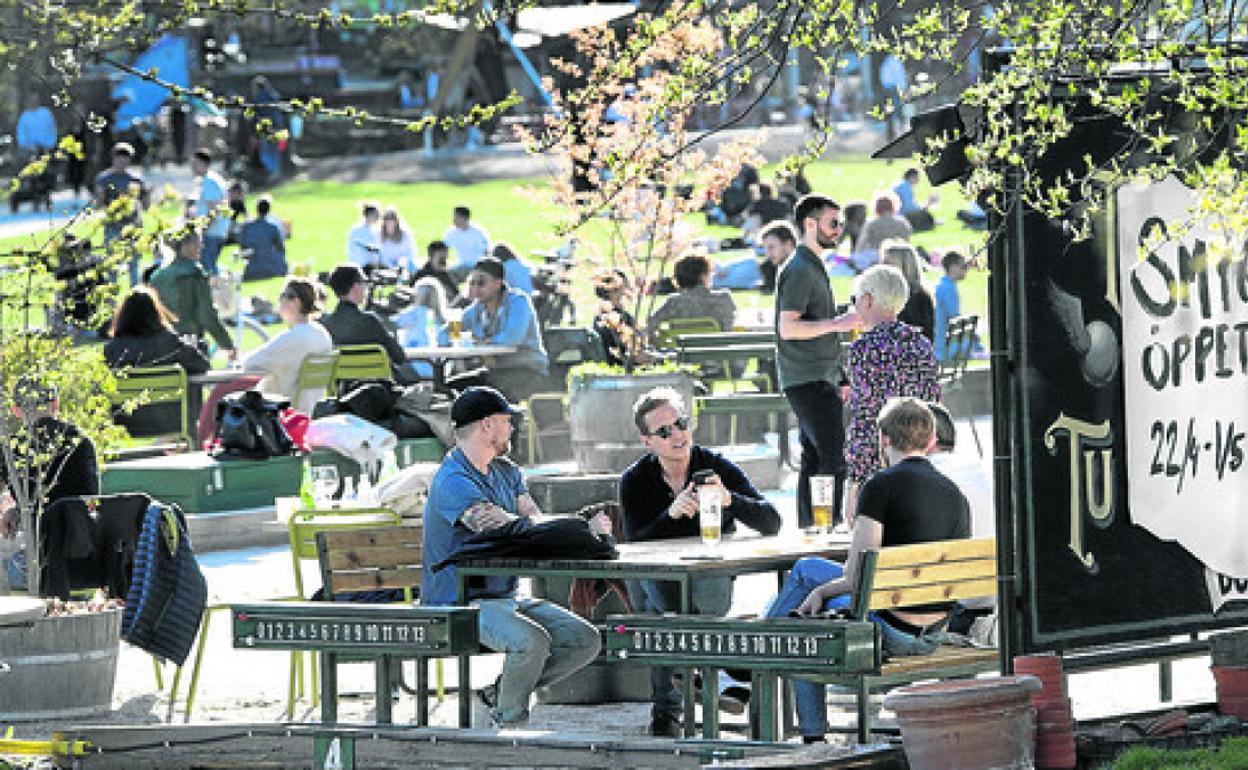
pixel 211 250
pixel 811 697
pixel 711 596
pixel 543 643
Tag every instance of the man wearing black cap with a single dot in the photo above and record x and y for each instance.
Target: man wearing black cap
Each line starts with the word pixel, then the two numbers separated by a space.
pixel 111 184
pixel 500 315
pixel 349 324
pixel 477 489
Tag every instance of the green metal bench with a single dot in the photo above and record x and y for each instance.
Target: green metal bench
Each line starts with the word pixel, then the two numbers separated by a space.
pixel 719 339
pixel 383 632
pixel 768 648
pixel 843 652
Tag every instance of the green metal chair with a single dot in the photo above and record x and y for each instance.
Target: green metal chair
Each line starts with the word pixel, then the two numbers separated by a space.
pixel 302 530
pixel 157 385
pixel 316 374
pixel 362 362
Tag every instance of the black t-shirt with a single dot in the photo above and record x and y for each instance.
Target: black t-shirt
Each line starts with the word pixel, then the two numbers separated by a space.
pixel 920 312
pixel 915 503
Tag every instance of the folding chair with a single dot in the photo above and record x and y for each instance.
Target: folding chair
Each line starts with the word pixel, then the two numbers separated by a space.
pixel 302 529
pixel 316 375
pixel 362 362
pixel 157 385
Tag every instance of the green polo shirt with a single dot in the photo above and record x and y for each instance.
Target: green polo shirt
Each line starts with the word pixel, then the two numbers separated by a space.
pixel 803 286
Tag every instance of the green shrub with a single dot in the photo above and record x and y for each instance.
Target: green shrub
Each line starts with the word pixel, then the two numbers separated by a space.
pixel 1231 755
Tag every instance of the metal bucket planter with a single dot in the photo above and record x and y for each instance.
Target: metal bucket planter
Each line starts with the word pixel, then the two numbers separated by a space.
pixel 968 724
pixel 600 407
pixel 59 667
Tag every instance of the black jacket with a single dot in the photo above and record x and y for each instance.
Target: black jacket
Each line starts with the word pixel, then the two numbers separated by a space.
pixel 348 325
pixel 160 349
pixel 563 538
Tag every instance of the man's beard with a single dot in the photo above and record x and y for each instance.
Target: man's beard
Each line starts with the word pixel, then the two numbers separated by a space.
pixel 827 242
pixel 502 447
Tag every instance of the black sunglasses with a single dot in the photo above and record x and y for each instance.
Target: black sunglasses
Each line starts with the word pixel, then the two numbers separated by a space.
pixel 666 431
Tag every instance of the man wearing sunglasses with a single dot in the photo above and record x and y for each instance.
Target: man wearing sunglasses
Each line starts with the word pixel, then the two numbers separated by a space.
pixel 659 501
pixel 808 350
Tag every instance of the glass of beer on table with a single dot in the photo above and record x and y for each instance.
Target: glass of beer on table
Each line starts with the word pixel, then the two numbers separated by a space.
pixel 455 324
pixel 822 492
pixel 710 511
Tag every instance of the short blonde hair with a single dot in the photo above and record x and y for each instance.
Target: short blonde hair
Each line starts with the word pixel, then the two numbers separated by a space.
pixel 886 285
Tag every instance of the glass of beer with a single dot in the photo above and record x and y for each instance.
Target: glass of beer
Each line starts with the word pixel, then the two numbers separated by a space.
pixel 455 325
pixel 822 492
pixel 710 511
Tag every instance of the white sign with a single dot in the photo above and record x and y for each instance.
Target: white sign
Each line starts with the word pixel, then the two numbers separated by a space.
pixel 1184 299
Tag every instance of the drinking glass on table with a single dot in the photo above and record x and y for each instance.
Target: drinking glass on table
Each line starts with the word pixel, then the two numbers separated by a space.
pixel 822 492
pixel 455 325
pixel 710 514
pixel 324 483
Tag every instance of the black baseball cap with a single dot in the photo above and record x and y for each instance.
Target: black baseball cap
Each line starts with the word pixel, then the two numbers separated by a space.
pixel 479 402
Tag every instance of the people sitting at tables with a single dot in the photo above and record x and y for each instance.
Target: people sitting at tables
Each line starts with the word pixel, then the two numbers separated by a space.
pixel 478 489
pixel 184 289
pixel 435 267
pixel 469 241
pixel 280 358
pixel 659 498
pixel 421 323
pixel 396 249
pixel 885 225
pixel 266 240
pixel 889 359
pixel 363 241
pixel 501 315
pixel 919 216
pixel 919 310
pixel 518 274
pixel 695 299
pixel 907 502
pixel 142 335
pixel 350 324
pixel 57 460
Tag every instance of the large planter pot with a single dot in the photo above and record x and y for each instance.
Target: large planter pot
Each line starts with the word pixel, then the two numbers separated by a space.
pixel 59 667
pixel 600 406
pixel 968 724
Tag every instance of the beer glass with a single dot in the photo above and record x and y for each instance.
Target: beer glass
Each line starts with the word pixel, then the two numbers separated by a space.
pixel 822 492
pixel 455 325
pixel 710 515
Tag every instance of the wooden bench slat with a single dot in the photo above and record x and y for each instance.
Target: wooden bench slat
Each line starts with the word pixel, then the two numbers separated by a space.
pixel 361 538
pixel 377 579
pixel 892 598
pixel 944 657
pixel 354 558
pixel 940 551
pixel 934 573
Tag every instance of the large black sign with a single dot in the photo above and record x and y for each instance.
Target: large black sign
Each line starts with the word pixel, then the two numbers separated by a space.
pixel 1128 485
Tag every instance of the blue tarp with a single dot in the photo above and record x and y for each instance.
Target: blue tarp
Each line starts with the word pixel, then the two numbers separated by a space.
pixel 140 98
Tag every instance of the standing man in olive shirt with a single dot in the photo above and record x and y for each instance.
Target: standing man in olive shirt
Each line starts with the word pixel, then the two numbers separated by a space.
pixel 808 350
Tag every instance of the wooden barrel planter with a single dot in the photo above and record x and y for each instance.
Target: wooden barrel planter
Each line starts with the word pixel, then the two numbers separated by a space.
pixel 968 724
pixel 57 667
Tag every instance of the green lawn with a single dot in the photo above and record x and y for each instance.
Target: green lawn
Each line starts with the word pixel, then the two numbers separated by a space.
pixel 521 212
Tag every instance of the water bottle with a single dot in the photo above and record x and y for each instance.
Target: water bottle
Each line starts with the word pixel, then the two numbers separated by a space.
pixel 348 490
pixel 365 494
pixel 307 494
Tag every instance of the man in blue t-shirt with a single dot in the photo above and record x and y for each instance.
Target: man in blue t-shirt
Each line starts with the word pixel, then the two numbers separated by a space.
pixel 478 489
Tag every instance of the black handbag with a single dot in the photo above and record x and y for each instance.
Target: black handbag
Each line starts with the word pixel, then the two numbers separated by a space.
pixel 249 425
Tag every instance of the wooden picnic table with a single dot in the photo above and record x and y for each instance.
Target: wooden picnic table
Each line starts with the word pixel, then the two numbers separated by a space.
pixel 681 561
